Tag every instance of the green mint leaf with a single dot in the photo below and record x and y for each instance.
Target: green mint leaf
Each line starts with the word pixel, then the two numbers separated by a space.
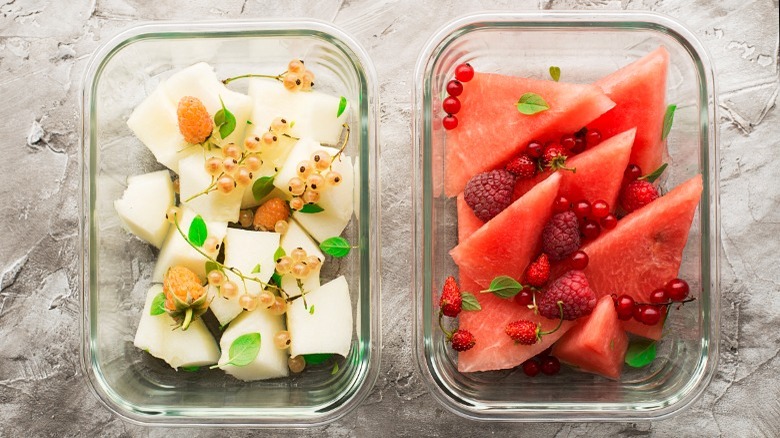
pixel 656 173
pixel 640 353
pixel 531 103
pixel 158 305
pixel 256 269
pixel 197 233
pixel 249 122
pixel 276 278
pixel 311 208
pixel 337 247
pixel 555 73
pixel 469 302
pixel 190 369
pixel 244 349
pixel 317 358
pixel 225 120
pixel 668 120
pixel 335 369
pixel 504 287
pixel 279 253
pixel 262 187
pixel 342 106
pixel 292 124
pixel 211 266
pixel 311 309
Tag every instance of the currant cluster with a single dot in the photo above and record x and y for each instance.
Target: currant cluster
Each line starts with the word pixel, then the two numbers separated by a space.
pixel 551 155
pixel 297 77
pixel 674 291
pixel 228 289
pixel 299 264
pixel 233 169
pixel 313 176
pixel 592 217
pixel 451 104
pixel 548 365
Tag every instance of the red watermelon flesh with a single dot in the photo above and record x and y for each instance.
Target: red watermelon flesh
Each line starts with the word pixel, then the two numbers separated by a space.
pixel 468 223
pixel 639 91
pixel 507 243
pixel 491 129
pixel 599 171
pixel 597 344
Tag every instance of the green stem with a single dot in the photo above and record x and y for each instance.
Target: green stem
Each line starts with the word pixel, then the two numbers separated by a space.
pixel 441 326
pixel 251 75
pixel 560 321
pixel 187 319
pixel 343 146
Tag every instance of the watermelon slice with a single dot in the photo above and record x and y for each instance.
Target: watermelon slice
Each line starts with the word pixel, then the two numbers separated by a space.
pixel 597 344
pixel 506 244
pixel 491 129
pixel 639 91
pixel 468 222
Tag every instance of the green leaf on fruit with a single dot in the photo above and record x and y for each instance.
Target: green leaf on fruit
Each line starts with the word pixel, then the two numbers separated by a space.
pixel 262 187
pixel 342 106
pixel 158 305
pixel 531 103
pixel 640 353
pixel 276 278
pixel 212 266
pixel 337 247
pixel 668 120
pixel 225 120
pixel 243 350
pixel 190 369
pixel 311 309
pixel 555 73
pixel 198 232
pixel 311 208
pixel 504 287
pixel 470 302
pixel 656 173
pixel 256 269
pixel 317 358
pixel 279 253
pixel 335 369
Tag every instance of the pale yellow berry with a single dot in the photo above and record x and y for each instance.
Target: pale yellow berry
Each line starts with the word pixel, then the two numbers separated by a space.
pixel 304 169
pixel 243 176
pixel 321 160
pixel 315 182
pixel 295 66
pixel 252 144
pixel 307 81
pixel 265 299
pixel 280 126
pixel 231 150
pixel 296 203
pixel 334 178
pixel 226 184
pixel 281 227
pixel 245 218
pixel 310 196
pixel 173 214
pixel 300 270
pixel 228 289
pixel 216 278
pixel 270 139
pixel 253 163
pixel 284 264
pixel 278 307
pixel 282 339
pixel 211 244
pixel 292 82
pixel 296 364
pixel 296 186
pixel 313 262
pixel 248 302
pixel 230 165
pixel 213 166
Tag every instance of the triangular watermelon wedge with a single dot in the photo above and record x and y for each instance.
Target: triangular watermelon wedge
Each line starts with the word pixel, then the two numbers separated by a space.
pixel 507 243
pixel 639 91
pixel 491 129
pixel 468 222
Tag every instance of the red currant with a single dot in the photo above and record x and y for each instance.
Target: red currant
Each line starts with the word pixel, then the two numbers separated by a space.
pixel 524 297
pixel 632 173
pixel 561 205
pixel 591 229
pixel 625 307
pixel 593 138
pixel 579 146
pixel 550 365
pixel 449 122
pixel 451 105
pixel 677 289
pixel 581 209
pixel 600 209
pixel 609 222
pixel 535 149
pixel 464 72
pixel 567 142
pixel 650 315
pixel 579 260
pixel 531 368
pixel 637 313
pixel 454 88
pixel 659 296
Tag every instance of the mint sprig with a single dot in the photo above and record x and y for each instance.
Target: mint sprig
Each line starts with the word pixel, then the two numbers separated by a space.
pixel 469 302
pixel 225 120
pixel 243 350
pixel 668 120
pixel 337 247
pixel 531 103
pixel 555 73
pixel 198 232
pixel 504 287
pixel 640 354
pixel 158 305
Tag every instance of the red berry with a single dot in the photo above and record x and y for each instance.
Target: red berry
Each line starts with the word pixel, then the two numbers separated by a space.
pixel 524 297
pixel 581 208
pixel 522 166
pixel 454 88
pixel 538 271
pixel 579 146
pixel 464 72
pixel 462 340
pixel 591 229
pixel 649 315
pixel 531 368
pixel 609 221
pixel 599 209
pixel 625 307
pixel 592 138
pixel 659 296
pixel 637 194
pixel 677 289
pixel 632 173
pixel 554 156
pixel 561 236
pixel 571 289
pixel 579 260
pixel 550 365
pixel 450 301
pixel 451 105
pixel 535 149
pixel 523 331
pixel 567 142
pixel 561 204
pixel 489 193
pixel 449 122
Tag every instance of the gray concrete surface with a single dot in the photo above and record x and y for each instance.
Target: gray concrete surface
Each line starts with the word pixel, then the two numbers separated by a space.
pixel 44 46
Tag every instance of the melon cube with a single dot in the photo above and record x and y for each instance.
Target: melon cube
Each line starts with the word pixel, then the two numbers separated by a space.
pixel 143 206
pixel 597 344
pixel 213 206
pixel 296 237
pixel 177 251
pixel 271 362
pixel 325 325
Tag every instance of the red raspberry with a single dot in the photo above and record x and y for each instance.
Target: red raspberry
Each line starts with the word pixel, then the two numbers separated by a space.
pixel 489 193
pixel 538 271
pixel 637 194
pixel 561 236
pixel 573 291
pixel 523 331
pixel 194 121
pixel 522 166
pixel 462 340
pixel 451 301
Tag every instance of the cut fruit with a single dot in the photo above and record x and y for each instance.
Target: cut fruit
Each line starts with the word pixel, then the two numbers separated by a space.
pixel 468 223
pixel 491 130
pixel 597 344
pixel 213 206
pixel 143 206
pixel 639 91
pixel 508 242
pixel 295 237
pixel 273 159
pixel 270 362
pixel 324 325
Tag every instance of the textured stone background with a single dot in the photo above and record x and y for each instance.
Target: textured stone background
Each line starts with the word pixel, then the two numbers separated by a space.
pixel 44 46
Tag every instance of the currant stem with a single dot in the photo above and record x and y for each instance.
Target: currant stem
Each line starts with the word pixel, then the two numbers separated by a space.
pixel 344 146
pixel 687 300
pixel 251 75
pixel 560 321
pixel 441 326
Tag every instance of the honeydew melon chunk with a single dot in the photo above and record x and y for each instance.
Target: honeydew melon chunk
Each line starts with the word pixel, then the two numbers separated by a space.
pixel 326 329
pixel 144 203
pixel 177 251
pixel 296 237
pixel 273 158
pixel 200 80
pixel 271 362
pixel 315 113
pixel 155 123
pixel 301 151
pixel 213 206
pixel 179 348
pixel 224 309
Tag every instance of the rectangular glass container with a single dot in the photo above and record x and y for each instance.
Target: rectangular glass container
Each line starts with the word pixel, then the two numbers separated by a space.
pixel 117 267
pixel 586 46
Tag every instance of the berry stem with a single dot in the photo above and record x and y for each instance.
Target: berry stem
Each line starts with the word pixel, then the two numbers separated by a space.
pixel 560 322
pixel 343 146
pixel 669 303
pixel 187 319
pixel 441 326
pixel 278 77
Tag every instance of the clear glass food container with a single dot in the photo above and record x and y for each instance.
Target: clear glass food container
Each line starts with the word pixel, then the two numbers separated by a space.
pixel 586 46
pixel 117 267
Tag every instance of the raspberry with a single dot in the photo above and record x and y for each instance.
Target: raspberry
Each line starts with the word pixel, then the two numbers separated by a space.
pixel 462 340
pixel 489 193
pixel 194 121
pixel 637 194
pixel 522 166
pixel 538 272
pixel 573 291
pixel 561 236
pixel 523 331
pixel 271 212
pixel 450 302
pixel 182 283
